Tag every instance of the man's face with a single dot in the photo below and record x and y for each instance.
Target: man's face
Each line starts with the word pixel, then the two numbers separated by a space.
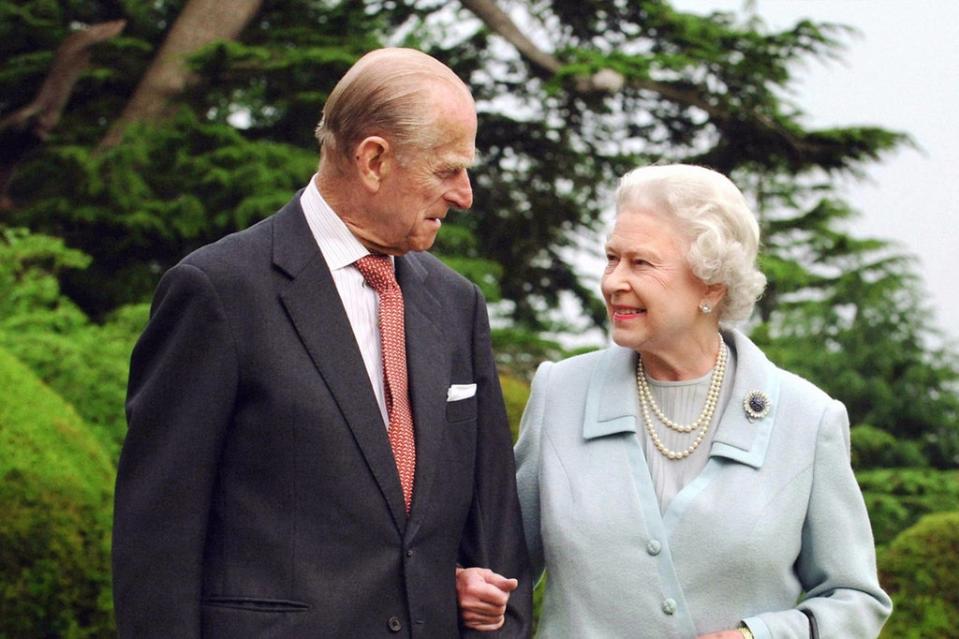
pixel 423 185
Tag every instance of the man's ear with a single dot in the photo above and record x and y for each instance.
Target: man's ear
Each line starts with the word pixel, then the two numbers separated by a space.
pixel 373 161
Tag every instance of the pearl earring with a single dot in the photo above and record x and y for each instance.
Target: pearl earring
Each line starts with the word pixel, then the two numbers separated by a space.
pixel 705 308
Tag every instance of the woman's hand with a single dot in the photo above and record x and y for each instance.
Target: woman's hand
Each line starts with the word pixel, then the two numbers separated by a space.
pixel 724 634
pixel 482 596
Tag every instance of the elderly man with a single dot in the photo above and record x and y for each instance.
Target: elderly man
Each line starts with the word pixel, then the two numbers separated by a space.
pixel 317 434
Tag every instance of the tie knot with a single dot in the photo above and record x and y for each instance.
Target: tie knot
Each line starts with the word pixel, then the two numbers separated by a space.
pixel 377 270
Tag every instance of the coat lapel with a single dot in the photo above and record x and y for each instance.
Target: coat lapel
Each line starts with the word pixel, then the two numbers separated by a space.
pixel 738 437
pixel 611 400
pixel 316 311
pixel 428 369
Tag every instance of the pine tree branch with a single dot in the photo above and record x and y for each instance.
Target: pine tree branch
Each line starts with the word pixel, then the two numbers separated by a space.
pixel 606 80
pixel 611 81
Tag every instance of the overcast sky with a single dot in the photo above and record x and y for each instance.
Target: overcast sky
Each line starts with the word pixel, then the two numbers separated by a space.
pixel 902 73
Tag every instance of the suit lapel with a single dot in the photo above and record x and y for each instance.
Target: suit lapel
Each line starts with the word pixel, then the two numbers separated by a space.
pixel 316 311
pixel 428 370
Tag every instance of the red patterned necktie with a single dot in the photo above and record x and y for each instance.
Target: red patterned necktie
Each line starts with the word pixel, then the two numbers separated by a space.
pixel 377 270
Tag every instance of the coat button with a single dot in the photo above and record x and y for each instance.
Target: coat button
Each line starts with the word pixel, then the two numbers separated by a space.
pixel 669 606
pixel 653 547
pixel 394 624
pixel 409 553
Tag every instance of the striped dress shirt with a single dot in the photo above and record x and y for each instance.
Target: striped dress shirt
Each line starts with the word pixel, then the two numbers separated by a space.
pixel 341 249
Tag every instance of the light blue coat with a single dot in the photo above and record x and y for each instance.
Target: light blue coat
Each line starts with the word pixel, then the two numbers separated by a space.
pixel 775 513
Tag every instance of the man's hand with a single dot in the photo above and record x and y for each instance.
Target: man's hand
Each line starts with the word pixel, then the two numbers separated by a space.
pixel 482 595
pixel 725 634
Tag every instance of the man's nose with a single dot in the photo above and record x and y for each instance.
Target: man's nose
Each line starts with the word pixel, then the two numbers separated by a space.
pixel 461 195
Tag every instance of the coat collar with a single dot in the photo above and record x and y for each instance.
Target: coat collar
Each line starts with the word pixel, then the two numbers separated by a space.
pixel 612 406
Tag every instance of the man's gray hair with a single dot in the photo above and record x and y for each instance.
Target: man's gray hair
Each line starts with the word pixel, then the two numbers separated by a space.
pixel 391 93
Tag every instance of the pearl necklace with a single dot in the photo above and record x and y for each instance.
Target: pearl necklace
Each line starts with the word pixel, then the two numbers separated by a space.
pixel 701 423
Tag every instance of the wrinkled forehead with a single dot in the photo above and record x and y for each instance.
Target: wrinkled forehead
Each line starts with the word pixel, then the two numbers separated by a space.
pixel 640 226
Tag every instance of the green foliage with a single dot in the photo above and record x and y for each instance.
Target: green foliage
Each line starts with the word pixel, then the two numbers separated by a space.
pixel 520 351
pixel 845 312
pixel 849 314
pixel 875 448
pixel 87 366
pixel 539 590
pixel 920 570
pixel 239 146
pixel 55 496
pixel 85 363
pixel 898 497
pixel 677 68
pixel 29 291
pixel 141 206
pixel 515 394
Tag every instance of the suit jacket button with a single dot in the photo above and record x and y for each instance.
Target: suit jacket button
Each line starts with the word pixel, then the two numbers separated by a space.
pixel 394 624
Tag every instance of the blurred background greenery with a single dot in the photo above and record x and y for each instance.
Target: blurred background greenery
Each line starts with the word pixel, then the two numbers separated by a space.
pixel 116 161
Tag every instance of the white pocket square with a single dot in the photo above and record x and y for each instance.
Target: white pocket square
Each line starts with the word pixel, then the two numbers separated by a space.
pixel 460 391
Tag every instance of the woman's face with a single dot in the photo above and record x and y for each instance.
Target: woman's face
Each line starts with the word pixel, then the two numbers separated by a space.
pixel 652 296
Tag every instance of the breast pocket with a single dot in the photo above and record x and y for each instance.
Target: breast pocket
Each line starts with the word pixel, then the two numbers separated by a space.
pixel 461 410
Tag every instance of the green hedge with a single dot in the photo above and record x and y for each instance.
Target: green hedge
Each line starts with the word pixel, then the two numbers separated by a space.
pixel 87 365
pixel 55 495
pixel 920 570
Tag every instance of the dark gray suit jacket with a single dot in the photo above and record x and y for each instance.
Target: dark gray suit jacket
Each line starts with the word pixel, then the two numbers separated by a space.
pixel 257 494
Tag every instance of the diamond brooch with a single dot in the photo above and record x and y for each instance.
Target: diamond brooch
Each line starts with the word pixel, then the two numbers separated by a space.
pixel 757 405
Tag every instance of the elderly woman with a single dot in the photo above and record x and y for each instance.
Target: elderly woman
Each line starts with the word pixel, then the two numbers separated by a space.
pixel 678 484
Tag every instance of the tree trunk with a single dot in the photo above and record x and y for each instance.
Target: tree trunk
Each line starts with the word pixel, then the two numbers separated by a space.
pixel 198 24
pixel 30 125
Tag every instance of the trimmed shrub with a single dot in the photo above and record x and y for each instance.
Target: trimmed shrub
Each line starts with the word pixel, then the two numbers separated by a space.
pixel 920 570
pixel 55 494
pixel 898 497
pixel 87 365
pixel 84 362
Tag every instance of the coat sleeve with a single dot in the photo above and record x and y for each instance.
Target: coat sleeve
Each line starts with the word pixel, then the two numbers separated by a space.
pixel 528 454
pixel 183 380
pixel 837 563
pixel 493 537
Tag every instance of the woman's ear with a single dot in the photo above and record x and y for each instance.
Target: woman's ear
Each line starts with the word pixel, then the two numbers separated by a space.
pixel 372 161
pixel 714 294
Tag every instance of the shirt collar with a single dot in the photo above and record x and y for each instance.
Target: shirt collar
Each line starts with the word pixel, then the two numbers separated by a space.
pixel 339 246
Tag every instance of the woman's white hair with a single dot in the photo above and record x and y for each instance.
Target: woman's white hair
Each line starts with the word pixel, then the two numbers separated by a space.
pixel 712 213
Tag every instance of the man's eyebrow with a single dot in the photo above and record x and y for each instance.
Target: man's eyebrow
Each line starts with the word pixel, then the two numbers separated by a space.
pixel 455 165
